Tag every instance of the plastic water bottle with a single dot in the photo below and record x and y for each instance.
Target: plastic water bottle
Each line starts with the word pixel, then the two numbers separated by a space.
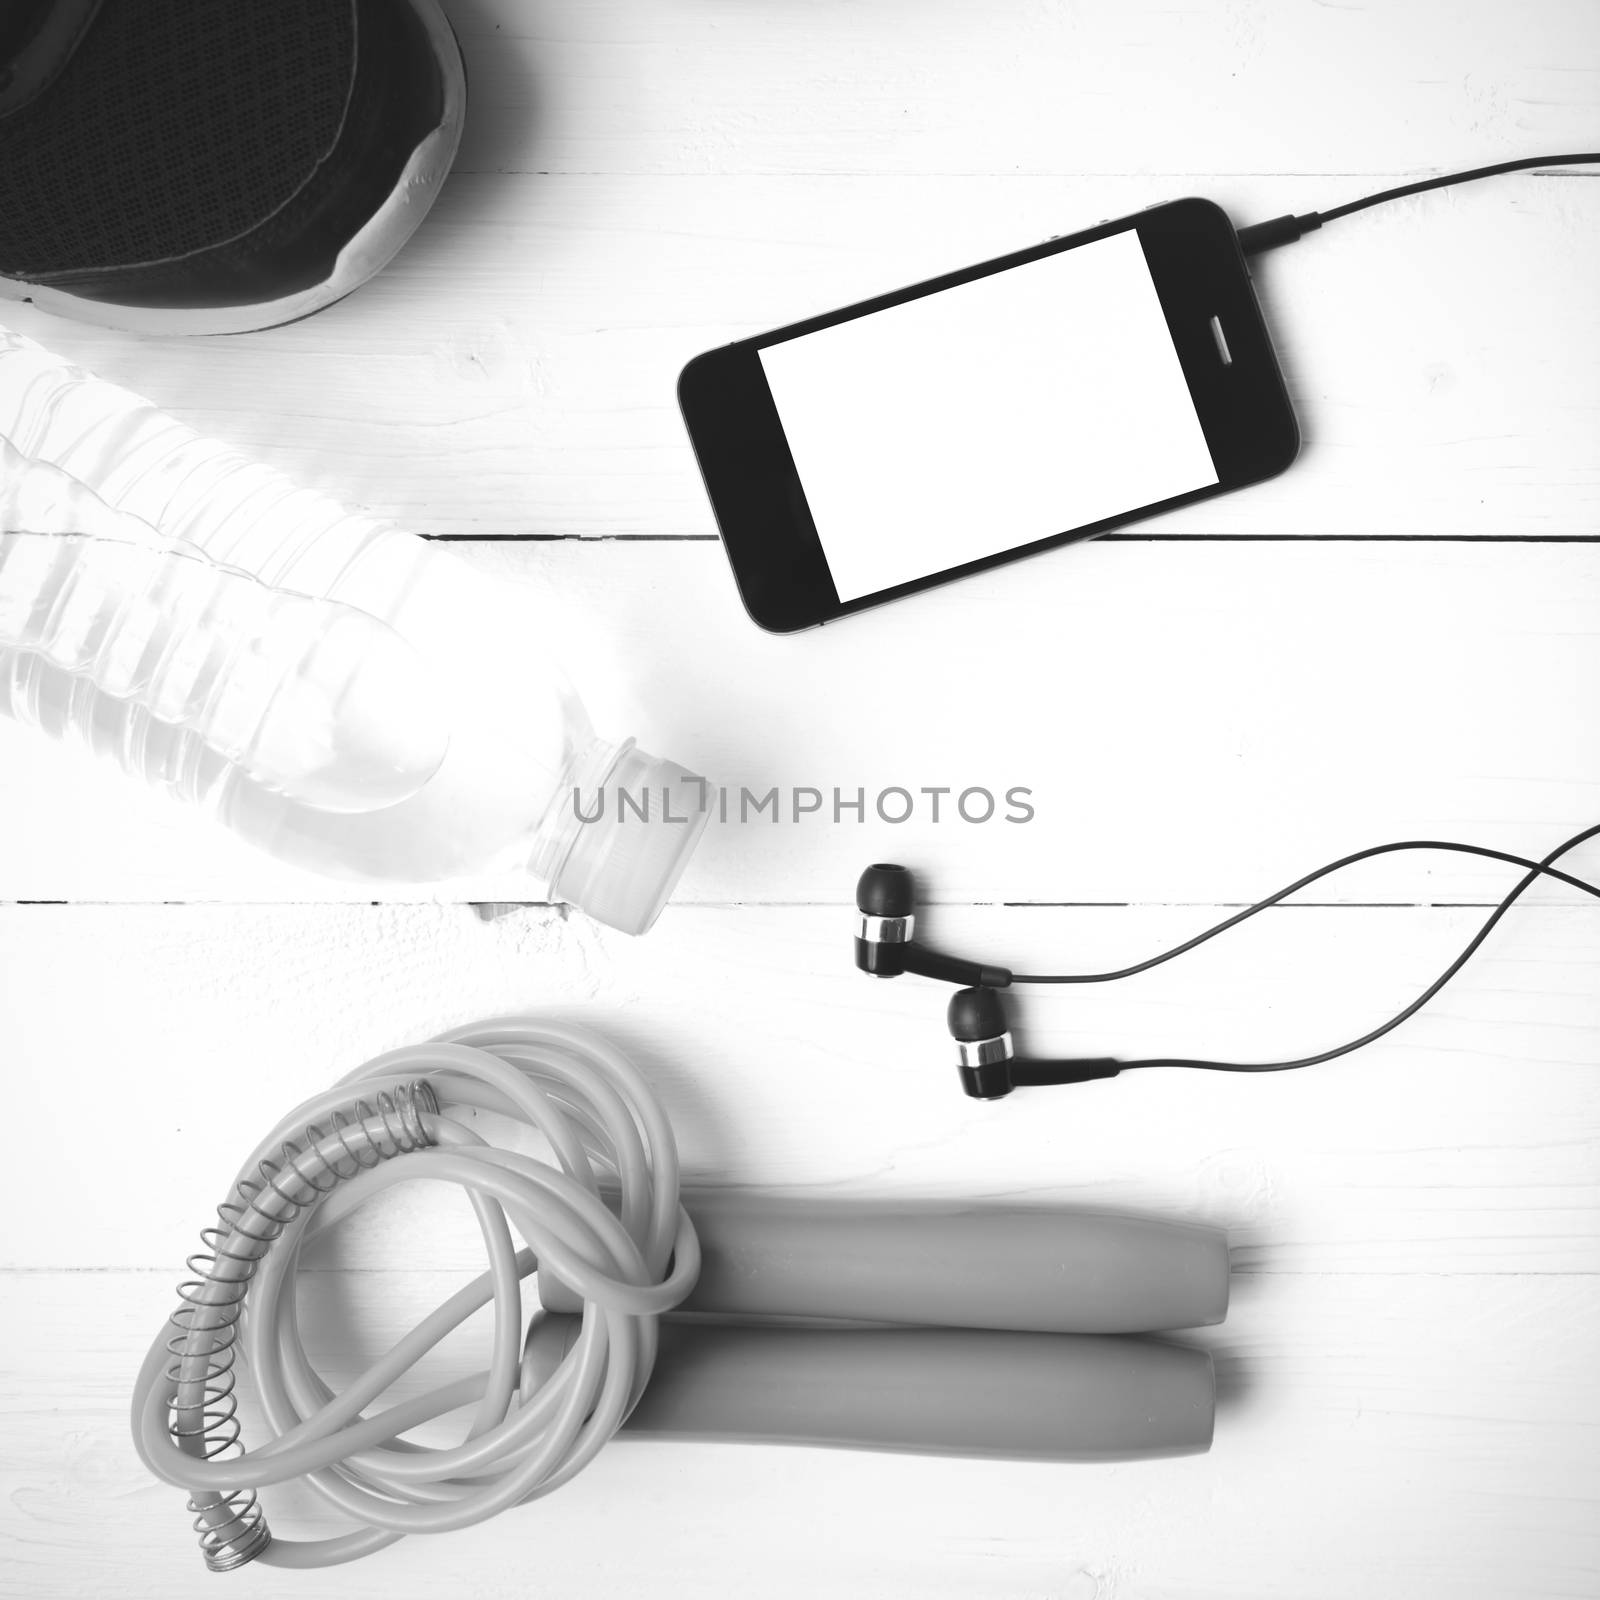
pixel 337 691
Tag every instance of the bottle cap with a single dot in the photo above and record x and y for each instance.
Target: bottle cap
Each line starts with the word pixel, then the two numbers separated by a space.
pixel 636 833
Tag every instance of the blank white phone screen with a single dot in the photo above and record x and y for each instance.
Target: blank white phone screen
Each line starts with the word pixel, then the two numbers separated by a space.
pixel 1023 404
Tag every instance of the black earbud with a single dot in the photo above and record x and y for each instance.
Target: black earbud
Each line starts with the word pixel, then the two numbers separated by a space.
pixel 886 899
pixel 977 1019
pixel 885 947
pixel 989 1065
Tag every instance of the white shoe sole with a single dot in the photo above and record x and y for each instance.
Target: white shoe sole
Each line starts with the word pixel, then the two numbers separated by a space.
pixel 366 255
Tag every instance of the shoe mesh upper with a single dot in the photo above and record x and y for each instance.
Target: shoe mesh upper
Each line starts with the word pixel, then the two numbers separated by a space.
pixel 177 125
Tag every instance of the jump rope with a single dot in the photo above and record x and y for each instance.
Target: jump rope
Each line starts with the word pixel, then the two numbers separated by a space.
pixel 953 1300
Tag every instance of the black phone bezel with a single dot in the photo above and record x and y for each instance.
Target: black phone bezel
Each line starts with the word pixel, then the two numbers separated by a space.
pixel 1199 273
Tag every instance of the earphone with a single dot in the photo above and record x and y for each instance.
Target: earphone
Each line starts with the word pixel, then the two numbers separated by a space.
pixel 886 947
pixel 989 1064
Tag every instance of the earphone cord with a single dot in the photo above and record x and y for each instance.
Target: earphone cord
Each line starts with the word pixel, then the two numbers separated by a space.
pixel 1285 230
pixel 1535 870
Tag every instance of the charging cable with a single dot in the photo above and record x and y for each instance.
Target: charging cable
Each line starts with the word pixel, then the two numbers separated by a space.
pixel 1286 229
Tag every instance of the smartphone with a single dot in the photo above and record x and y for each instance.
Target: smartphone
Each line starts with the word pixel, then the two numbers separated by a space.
pixel 988 414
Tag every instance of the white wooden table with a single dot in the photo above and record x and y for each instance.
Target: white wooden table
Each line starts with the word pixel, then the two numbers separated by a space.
pixel 1398 637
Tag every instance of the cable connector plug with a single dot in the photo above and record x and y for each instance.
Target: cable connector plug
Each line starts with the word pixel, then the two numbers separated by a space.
pixel 1278 230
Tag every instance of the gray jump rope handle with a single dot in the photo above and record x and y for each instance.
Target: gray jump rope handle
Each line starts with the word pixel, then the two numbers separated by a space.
pixel 924 1391
pixel 949 1266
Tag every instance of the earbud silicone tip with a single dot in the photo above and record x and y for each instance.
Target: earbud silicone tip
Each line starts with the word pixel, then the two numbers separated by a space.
pixel 975 1014
pixel 885 890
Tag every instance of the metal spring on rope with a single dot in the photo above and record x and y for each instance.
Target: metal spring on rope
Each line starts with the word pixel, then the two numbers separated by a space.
pixel 204 1408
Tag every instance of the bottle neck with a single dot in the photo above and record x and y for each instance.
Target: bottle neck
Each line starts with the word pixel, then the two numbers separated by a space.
pixel 578 797
pixel 620 831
